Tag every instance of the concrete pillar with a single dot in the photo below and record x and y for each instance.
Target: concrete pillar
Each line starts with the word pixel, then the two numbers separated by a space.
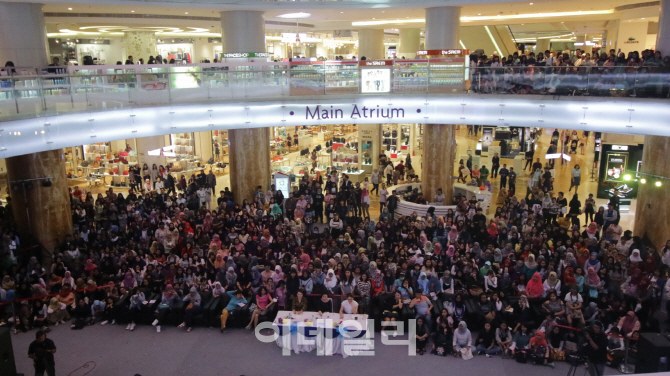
pixel 437 159
pixel 663 35
pixel 371 44
pixel 249 152
pixel 582 39
pixel 542 45
pixel 140 45
pixel 249 148
pixel 442 27
pixel 24 39
pixel 410 42
pixel 146 144
pixel 653 200
pixel 41 213
pixel 243 31
pixel 203 145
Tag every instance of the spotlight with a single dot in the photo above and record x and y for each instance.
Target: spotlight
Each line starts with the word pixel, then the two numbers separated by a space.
pixel 658 184
pixel 626 177
pixel 643 181
pixel 46 183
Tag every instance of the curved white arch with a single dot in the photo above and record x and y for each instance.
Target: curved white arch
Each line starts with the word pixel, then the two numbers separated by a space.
pixel 614 115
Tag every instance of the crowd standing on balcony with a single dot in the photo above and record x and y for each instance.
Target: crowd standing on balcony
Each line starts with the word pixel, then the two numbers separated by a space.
pixel 604 74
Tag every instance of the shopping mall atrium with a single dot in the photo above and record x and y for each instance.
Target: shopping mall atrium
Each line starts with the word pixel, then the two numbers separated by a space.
pixel 168 165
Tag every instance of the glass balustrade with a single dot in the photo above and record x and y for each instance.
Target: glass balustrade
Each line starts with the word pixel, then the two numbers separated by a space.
pixel 46 91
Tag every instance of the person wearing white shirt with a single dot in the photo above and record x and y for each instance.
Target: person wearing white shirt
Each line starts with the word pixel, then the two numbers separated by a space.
pixel 490 281
pixel 348 306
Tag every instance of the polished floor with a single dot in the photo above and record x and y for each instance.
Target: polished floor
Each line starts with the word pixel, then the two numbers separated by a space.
pixel 114 351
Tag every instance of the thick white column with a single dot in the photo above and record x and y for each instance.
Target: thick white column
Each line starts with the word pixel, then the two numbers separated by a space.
pixel 140 45
pixel 442 27
pixel 371 44
pixel 146 144
pixel 23 38
pixel 583 46
pixel 410 42
pixel 243 31
pixel 663 36
pixel 542 45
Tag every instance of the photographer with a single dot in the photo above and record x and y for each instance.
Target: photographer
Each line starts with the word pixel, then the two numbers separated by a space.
pixel 595 348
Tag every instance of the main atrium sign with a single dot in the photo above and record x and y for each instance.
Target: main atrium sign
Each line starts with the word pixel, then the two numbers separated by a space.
pixel 319 112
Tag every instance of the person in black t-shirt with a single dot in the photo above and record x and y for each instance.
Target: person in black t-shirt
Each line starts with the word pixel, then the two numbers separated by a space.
pixel 596 349
pixel 41 351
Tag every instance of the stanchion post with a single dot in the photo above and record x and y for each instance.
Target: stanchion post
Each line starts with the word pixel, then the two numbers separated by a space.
pixel 625 368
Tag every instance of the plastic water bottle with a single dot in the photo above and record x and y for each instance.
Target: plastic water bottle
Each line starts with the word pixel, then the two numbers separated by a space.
pixel 663 364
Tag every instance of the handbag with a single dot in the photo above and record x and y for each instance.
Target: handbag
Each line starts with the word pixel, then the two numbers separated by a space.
pixel 556 354
pixel 466 354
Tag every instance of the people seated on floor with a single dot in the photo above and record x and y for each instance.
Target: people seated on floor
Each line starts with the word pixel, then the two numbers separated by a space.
pixel 150 257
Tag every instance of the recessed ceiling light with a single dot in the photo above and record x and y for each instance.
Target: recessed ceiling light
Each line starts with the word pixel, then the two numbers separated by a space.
pixel 294 15
pixel 132 11
pixel 479 14
pixel 374 18
pixel 69 8
pixel 643 18
pixel 341 12
pixel 531 3
pixel 185 12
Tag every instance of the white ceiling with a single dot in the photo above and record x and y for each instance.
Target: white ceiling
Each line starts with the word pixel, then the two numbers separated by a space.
pixel 338 15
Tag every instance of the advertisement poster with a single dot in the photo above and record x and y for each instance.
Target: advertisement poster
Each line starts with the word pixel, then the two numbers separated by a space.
pixel 375 80
pixel 282 183
pixel 616 166
pixel 487 138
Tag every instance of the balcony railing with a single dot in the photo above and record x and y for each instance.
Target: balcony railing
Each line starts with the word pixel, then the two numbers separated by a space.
pixel 45 91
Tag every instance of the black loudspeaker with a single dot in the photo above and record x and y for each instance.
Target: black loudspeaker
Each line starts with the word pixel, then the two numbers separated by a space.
pixel 7 364
pixel 651 348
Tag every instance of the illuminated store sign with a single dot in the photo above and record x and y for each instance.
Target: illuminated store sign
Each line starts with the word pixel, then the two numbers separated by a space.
pixel 364 112
pixel 245 54
pixel 438 52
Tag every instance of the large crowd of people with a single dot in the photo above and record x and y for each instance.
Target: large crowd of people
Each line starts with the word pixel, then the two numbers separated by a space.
pixel 525 279
pixel 580 73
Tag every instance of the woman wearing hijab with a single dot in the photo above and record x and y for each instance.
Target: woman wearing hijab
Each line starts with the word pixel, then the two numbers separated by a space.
pixel 57 312
pixel 129 281
pixel 593 283
pixel 278 275
pixel 447 284
pixel 535 288
pixel 552 283
pixel 462 338
pixel 168 300
pixel 331 281
pixel 193 308
pixel 539 350
pixel 592 262
pixel 530 266
pixel 628 324
pixel 231 279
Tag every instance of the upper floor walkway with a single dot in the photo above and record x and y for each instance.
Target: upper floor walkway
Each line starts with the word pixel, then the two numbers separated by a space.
pixel 52 107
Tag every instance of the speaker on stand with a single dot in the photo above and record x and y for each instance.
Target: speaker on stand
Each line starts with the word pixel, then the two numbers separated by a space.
pixel 7 364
